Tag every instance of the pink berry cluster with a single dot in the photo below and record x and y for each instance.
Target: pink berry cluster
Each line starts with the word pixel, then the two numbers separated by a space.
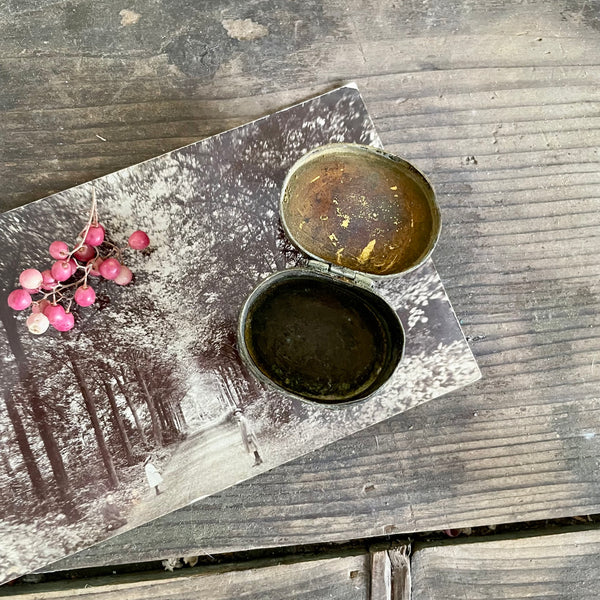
pixel 66 281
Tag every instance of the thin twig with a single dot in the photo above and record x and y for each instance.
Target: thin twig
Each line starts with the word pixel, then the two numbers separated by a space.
pixel 93 218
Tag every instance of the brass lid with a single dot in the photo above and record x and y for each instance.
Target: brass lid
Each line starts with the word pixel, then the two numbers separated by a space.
pixel 360 208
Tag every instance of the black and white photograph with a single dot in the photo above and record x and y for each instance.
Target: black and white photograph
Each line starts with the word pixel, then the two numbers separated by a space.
pixel 123 394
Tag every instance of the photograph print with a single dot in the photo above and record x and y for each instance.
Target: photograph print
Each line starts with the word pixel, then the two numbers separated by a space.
pixel 138 403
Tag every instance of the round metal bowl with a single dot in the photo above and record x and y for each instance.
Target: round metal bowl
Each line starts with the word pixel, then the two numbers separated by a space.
pixel 319 338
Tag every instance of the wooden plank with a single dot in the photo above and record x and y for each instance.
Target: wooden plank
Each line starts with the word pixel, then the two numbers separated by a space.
pixel 565 566
pixel 381 576
pixel 401 573
pixel 497 102
pixel 344 578
pixel 390 574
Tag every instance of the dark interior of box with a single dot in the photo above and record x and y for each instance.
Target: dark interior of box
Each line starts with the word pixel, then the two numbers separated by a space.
pixel 323 339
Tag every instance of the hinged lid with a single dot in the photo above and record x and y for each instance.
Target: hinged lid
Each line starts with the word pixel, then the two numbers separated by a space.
pixel 360 209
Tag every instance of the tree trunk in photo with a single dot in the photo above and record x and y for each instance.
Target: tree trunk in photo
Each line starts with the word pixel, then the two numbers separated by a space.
pixel 6 464
pixel 156 431
pixel 37 482
pixel 90 406
pixel 226 387
pixel 236 385
pixel 224 395
pixel 180 415
pixel 177 423
pixel 132 408
pixel 52 450
pixel 37 409
pixel 167 409
pixel 243 385
pixel 160 411
pixel 177 415
pixel 254 388
pixel 173 416
pixel 119 424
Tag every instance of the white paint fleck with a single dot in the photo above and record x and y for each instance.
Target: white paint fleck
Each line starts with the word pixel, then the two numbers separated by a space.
pixel 589 435
pixel 244 29
pixel 129 17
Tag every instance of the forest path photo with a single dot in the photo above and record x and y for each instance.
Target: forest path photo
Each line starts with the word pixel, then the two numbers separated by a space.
pixel 149 389
pixel 205 462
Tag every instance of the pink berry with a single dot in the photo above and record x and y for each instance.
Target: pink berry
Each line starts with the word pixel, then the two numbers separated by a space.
pixel 84 295
pixel 19 299
pixel 94 266
pixel 95 236
pixel 110 268
pixel 139 240
pixel 37 323
pixel 55 313
pixel 85 253
pixel 61 270
pixel 65 324
pixel 40 307
pixel 48 282
pixel 124 277
pixel 73 264
pixel 59 250
pixel 30 279
pixel 32 291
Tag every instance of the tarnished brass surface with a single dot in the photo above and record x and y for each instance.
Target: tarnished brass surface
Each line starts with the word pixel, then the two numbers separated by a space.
pixel 320 338
pixel 360 208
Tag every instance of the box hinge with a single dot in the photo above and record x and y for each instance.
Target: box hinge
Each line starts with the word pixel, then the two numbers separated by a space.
pixel 339 271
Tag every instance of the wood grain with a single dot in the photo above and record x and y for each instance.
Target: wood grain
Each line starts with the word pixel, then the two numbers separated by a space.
pixel 391 574
pixel 497 102
pixel 401 573
pixel 334 578
pixel 564 566
pixel 381 576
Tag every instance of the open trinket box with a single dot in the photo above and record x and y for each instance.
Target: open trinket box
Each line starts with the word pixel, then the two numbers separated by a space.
pixel 320 333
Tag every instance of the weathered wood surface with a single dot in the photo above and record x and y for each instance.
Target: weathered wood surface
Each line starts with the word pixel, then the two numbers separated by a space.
pixel 497 102
pixel 346 578
pixel 565 566
pixel 391 574
pixel 381 576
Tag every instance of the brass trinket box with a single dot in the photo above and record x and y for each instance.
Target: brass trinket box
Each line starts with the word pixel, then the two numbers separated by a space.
pixel 320 333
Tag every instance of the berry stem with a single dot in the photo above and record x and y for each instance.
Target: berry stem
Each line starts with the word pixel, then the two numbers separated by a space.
pixel 94 208
pixel 92 220
pixel 74 283
pixel 115 250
